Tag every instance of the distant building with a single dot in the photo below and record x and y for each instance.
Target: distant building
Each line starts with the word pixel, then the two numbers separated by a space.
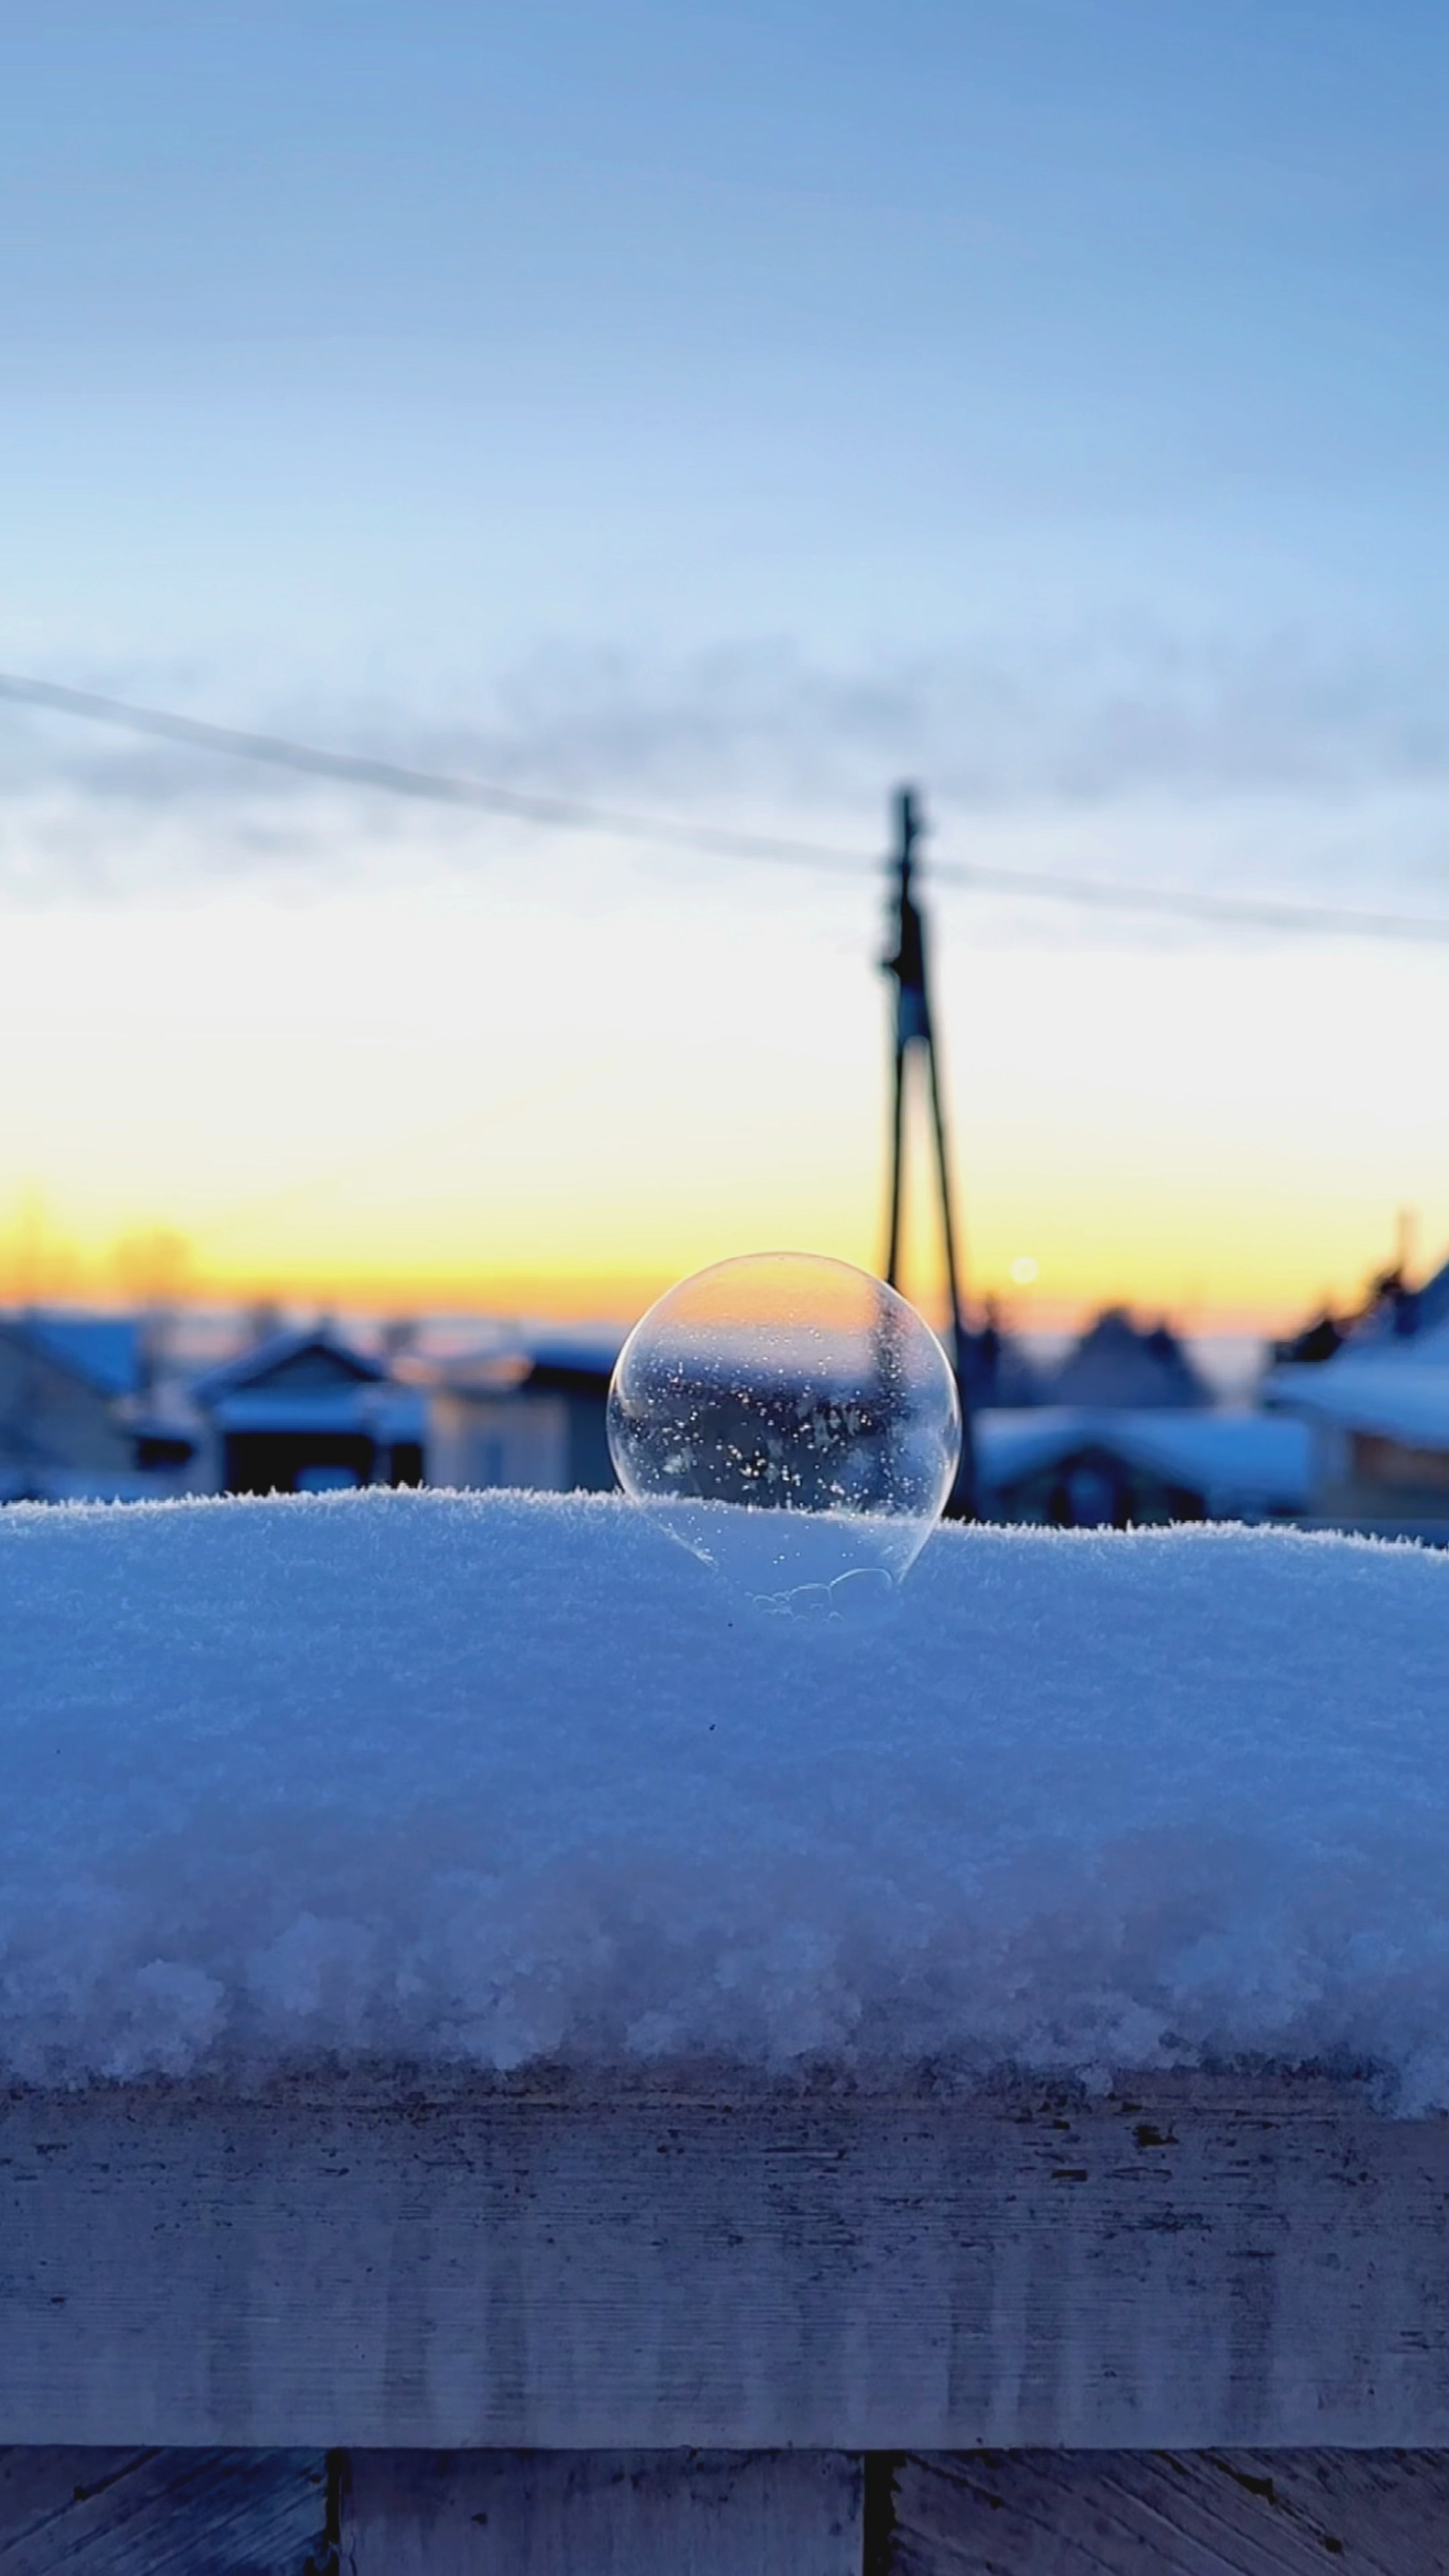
pixel 997 1369
pixel 1378 1412
pixel 64 1383
pixel 1120 1365
pixel 1071 1468
pixel 1380 1433
pixel 1393 1309
pixel 305 1412
pixel 1398 1313
pixel 532 1416
pixel 1313 1343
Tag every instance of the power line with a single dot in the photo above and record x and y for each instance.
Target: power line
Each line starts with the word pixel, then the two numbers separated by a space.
pixel 570 814
pixel 1244 911
pixel 355 769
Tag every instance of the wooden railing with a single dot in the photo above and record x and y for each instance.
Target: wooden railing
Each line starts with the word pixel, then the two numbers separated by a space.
pixel 684 2329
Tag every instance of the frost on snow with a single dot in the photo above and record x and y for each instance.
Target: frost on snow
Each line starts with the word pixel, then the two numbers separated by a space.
pixel 499 1781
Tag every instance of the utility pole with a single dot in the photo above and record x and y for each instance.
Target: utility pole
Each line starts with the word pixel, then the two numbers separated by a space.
pixel 915 1036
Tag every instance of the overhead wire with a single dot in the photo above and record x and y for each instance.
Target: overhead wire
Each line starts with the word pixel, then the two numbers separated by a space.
pixel 1245 912
pixel 359 769
pixel 575 814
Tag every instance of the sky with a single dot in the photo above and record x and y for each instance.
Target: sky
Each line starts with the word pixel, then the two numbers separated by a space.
pixel 721 416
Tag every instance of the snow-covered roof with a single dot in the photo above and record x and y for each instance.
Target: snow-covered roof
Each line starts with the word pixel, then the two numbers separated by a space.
pixel 1231 1459
pixel 574 1358
pixel 1016 1441
pixel 1404 1399
pixel 514 1362
pixel 1116 1363
pixel 1385 1380
pixel 278 1354
pixel 1430 1347
pixel 1236 1461
pixel 1404 1321
pixel 507 1780
pixel 383 1412
pixel 104 1351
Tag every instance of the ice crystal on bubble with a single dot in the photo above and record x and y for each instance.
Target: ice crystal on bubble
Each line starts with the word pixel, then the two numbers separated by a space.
pixel 792 1422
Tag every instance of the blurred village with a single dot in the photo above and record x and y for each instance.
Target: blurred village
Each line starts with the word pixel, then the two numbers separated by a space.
pixel 1346 1427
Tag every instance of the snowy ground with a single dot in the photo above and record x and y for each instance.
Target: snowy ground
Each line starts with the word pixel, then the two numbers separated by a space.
pixel 512 1779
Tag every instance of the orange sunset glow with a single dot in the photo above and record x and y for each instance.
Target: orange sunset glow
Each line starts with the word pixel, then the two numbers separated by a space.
pixel 360 1106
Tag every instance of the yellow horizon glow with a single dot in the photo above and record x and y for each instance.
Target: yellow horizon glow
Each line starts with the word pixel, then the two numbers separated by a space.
pixel 1277 1292
pixel 366 1104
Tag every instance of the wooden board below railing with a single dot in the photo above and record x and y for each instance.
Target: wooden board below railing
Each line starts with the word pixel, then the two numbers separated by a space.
pixel 1195 2263
pixel 689 2513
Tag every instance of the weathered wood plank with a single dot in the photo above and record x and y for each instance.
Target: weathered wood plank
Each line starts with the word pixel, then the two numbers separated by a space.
pixel 67 2512
pixel 600 2513
pixel 1211 2513
pixel 1216 2261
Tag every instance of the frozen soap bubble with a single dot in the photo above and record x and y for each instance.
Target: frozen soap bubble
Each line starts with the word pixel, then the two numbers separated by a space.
pixel 793 1422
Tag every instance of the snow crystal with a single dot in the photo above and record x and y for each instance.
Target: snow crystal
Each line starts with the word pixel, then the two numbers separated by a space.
pixel 510 1780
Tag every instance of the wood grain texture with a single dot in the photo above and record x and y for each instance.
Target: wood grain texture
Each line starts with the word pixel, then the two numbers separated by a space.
pixel 601 2513
pixel 67 2512
pixel 1210 2262
pixel 1216 2513
pixel 90 2512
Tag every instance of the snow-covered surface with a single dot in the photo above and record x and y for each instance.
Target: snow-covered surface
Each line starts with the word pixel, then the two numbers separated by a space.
pixel 1238 1462
pixel 504 1780
pixel 103 1350
pixel 1398 1399
pixel 282 1357
pixel 1429 1348
pixel 397 1413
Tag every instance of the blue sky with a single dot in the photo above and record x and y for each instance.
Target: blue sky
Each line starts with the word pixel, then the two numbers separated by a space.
pixel 396 339
pixel 736 410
